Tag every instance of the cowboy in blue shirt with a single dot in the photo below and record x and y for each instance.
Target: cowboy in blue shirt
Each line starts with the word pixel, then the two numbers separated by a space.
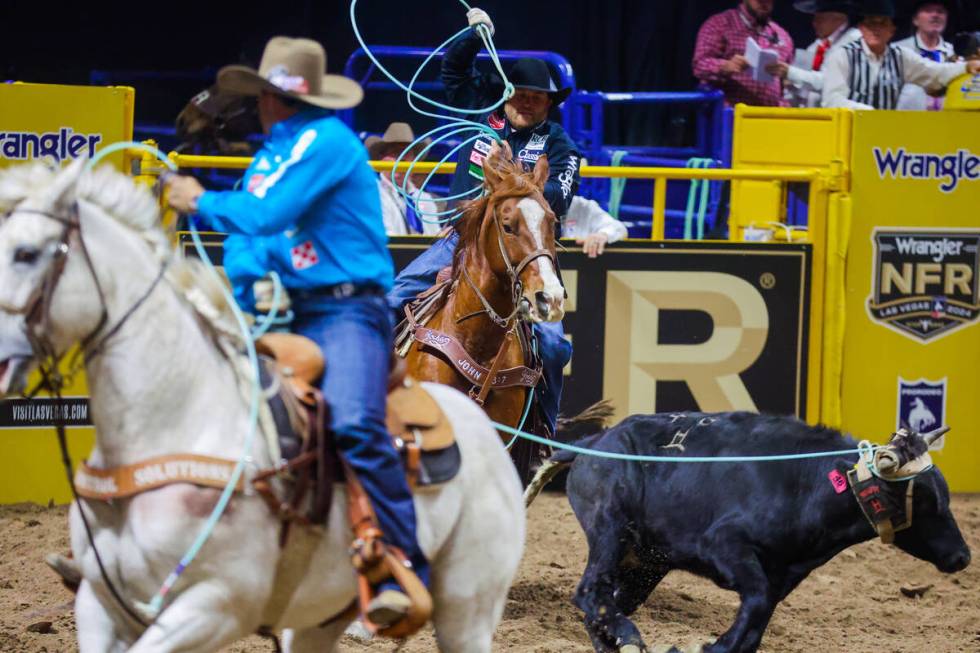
pixel 309 210
pixel 523 124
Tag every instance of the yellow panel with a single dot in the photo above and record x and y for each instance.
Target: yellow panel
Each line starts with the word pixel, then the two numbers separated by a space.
pixel 755 203
pixel 31 469
pixel 915 200
pixel 963 94
pixel 62 122
pixel 769 137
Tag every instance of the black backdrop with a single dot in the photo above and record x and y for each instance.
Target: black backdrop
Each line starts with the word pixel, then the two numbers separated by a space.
pixel 612 44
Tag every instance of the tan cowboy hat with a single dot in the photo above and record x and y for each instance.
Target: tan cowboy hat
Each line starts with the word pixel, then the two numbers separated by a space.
pixel 398 134
pixel 294 68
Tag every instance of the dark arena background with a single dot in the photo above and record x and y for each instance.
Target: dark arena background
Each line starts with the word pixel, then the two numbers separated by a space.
pixel 836 282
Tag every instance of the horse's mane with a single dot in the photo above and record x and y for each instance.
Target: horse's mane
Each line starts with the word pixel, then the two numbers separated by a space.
pixel 134 206
pixel 514 183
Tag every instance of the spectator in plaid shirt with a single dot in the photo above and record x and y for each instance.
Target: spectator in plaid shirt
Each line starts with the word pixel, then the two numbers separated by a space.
pixel 718 55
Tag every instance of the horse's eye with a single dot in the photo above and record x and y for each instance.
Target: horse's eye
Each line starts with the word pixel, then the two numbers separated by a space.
pixel 26 254
pixel 508 228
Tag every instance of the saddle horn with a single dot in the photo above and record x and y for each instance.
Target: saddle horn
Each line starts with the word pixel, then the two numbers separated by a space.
pixel 932 436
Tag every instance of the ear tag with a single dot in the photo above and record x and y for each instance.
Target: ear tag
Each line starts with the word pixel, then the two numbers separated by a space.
pixel 838 481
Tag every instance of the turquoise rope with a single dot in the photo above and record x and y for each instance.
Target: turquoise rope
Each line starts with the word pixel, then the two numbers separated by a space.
pixel 617 185
pixel 530 400
pixel 129 145
pixel 612 455
pixel 156 603
pixel 692 194
pixel 457 125
pixel 266 322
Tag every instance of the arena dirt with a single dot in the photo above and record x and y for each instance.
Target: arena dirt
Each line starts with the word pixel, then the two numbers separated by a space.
pixel 851 604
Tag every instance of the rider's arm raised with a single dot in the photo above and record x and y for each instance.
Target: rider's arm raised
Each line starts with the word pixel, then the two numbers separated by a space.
pixel 273 204
pixel 465 87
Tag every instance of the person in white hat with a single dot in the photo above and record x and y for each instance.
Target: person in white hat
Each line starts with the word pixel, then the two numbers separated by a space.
pixel 832 25
pixel 309 210
pixel 400 215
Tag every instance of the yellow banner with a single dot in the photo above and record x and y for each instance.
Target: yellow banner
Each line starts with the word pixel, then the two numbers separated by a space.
pixel 57 123
pixel 62 122
pixel 912 338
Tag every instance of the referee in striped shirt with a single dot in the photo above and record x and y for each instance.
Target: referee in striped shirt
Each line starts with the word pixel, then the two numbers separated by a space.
pixel 869 73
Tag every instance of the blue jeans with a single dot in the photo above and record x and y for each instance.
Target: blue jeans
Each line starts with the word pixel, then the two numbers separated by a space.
pixel 554 349
pixel 355 336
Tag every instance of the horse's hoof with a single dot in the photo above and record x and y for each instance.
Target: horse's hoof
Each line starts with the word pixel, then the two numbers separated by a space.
pixel 630 648
pixel 67 568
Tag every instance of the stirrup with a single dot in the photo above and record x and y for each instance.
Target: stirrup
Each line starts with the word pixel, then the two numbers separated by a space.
pixel 400 614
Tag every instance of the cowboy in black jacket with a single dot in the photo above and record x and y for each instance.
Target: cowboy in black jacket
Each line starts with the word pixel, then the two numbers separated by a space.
pixel 522 122
pixel 525 126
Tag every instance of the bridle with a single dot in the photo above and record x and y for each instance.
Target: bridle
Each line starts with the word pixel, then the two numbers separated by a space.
pixel 514 274
pixel 37 308
pixel 37 316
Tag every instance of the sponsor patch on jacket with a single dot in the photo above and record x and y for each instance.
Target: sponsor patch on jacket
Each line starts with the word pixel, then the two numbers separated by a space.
pixel 476 171
pixel 925 281
pixel 528 157
pixel 482 146
pixel 254 181
pixel 495 121
pixel 304 256
pixel 537 142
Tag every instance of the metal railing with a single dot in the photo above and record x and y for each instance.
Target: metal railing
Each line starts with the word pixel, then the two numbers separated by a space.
pixel 149 167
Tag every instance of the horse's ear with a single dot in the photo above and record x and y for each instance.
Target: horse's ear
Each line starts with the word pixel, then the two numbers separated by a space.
pixel 61 192
pixel 541 170
pixel 492 164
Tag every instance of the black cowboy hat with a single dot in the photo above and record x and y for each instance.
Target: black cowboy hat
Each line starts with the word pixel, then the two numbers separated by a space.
pixel 876 8
pixel 533 74
pixel 818 6
pixel 918 4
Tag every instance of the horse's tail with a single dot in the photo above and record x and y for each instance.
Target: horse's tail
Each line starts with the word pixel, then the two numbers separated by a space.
pixel 594 418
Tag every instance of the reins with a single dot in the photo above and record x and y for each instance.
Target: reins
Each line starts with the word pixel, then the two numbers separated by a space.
pixel 513 273
pixel 37 313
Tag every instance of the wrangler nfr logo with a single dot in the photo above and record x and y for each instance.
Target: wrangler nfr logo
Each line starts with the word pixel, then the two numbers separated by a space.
pixel 925 282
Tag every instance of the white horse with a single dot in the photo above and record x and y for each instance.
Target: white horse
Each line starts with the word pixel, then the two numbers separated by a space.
pixel 160 386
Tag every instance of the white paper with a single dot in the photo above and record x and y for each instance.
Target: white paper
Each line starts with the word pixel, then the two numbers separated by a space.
pixel 758 59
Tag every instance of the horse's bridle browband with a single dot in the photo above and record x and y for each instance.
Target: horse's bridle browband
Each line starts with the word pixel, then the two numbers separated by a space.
pixel 36 310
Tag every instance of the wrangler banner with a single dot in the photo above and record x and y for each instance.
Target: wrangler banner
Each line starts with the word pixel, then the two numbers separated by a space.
pixel 912 340
pixel 60 123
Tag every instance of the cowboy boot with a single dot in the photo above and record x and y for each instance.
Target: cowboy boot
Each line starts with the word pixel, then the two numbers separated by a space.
pixel 388 608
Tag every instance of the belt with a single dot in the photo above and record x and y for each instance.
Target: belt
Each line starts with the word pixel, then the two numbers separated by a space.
pixel 338 291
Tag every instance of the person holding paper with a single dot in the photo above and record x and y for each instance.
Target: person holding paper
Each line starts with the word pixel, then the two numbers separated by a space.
pixel 720 54
pixel 832 24
pixel 870 73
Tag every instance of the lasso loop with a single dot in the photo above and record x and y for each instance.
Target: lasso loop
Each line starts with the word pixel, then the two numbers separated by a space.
pixel 453 125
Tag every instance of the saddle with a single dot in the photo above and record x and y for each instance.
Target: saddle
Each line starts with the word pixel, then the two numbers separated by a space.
pixel 419 429
pixel 311 464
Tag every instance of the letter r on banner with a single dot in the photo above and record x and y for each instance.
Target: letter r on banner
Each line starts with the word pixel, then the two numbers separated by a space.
pixel 636 361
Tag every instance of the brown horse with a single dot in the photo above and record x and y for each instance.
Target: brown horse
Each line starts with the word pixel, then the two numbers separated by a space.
pixel 504 276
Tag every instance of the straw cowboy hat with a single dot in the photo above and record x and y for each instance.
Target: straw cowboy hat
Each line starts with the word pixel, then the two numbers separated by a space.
pixel 293 68
pixel 398 135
